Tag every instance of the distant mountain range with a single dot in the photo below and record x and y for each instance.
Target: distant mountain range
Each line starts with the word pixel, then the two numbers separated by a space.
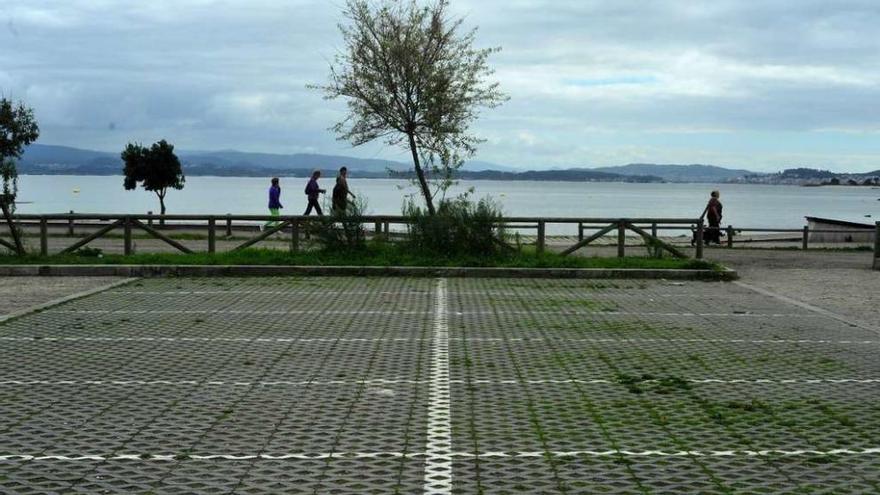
pixel 679 173
pixel 40 159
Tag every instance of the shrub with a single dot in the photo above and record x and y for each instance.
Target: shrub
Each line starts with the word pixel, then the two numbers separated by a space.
pixel 343 231
pixel 89 252
pixel 460 227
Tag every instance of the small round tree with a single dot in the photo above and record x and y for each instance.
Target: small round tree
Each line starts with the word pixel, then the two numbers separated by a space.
pixel 157 168
pixel 411 77
pixel 18 128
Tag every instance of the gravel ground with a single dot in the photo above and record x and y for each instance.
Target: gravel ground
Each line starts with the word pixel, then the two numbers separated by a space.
pixel 19 293
pixel 838 281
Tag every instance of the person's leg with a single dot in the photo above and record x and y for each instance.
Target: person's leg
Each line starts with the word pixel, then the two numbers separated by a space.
pixel 318 209
pixel 272 223
pixel 308 209
pixel 715 232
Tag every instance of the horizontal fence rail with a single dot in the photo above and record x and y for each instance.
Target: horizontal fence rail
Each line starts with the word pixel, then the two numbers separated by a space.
pixel 91 226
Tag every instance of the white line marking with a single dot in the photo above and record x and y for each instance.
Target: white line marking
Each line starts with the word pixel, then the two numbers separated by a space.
pixel 438 464
pixel 201 339
pixel 139 383
pixel 284 340
pixel 440 389
pixel 227 312
pixel 808 307
pixel 317 292
pixel 448 455
pixel 409 312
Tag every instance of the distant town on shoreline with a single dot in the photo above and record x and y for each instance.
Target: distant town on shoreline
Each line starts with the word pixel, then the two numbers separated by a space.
pixel 42 159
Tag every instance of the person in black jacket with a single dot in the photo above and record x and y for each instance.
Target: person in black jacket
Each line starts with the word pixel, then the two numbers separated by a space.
pixel 714 215
pixel 341 192
pixel 312 191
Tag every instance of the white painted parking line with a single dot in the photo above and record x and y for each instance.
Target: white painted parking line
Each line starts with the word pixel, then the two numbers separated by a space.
pixel 210 383
pixel 229 312
pixel 316 293
pixel 871 451
pixel 286 340
pixel 440 389
pixel 255 340
pixel 438 465
pixel 609 313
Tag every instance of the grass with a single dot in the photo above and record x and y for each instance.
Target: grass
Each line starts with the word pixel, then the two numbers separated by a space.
pixel 379 254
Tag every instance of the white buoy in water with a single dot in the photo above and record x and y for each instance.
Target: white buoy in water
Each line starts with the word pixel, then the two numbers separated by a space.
pixel 75 190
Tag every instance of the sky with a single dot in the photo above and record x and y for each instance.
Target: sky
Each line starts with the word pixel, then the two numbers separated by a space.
pixel 755 84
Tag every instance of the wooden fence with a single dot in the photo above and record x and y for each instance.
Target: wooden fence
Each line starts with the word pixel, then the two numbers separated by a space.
pixel 160 226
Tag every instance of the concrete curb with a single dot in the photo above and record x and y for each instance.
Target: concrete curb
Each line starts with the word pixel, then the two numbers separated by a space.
pixel 62 300
pixel 368 271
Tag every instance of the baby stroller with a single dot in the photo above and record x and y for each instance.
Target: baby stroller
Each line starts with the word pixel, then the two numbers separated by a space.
pixel 710 235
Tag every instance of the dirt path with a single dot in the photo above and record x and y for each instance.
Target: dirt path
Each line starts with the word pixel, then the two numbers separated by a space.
pixel 841 282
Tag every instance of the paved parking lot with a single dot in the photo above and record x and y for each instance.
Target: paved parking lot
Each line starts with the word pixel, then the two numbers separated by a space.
pixel 343 385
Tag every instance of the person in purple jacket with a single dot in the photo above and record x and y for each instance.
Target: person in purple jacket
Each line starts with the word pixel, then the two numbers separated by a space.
pixel 275 205
pixel 312 191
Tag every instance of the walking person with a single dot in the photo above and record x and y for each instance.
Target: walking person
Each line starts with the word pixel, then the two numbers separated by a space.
pixel 312 191
pixel 341 192
pixel 714 215
pixel 275 205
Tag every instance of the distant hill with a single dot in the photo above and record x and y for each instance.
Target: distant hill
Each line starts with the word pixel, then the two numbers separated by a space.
pixel 569 175
pixel 49 159
pixel 41 159
pixel 678 173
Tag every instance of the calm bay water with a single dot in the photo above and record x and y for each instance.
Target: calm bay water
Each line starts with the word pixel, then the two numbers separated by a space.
pixel 744 205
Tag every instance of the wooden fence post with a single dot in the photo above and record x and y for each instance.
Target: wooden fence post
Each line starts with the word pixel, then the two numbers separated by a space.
pixel 621 238
pixel 806 240
pixel 700 232
pixel 294 236
pixel 580 231
pixel 730 237
pixel 541 237
pixel 70 225
pixel 654 230
pixel 212 235
pixel 228 225
pixel 44 237
pixel 126 227
pixel 150 220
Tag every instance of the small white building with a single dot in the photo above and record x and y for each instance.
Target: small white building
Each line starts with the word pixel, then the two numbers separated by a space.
pixel 859 233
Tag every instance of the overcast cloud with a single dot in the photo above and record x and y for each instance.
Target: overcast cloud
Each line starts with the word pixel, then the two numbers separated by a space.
pixel 759 84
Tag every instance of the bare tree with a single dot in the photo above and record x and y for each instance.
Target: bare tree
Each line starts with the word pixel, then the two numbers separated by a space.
pixel 18 128
pixel 410 76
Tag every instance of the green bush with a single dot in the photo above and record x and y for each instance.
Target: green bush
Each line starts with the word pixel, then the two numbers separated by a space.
pixel 89 252
pixel 343 231
pixel 461 227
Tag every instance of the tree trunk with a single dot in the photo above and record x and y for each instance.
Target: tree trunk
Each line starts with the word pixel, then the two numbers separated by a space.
pixel 12 229
pixel 423 183
pixel 161 209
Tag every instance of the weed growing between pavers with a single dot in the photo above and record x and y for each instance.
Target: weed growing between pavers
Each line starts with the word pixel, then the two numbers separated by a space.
pixel 574 304
pixel 649 383
pixel 669 412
